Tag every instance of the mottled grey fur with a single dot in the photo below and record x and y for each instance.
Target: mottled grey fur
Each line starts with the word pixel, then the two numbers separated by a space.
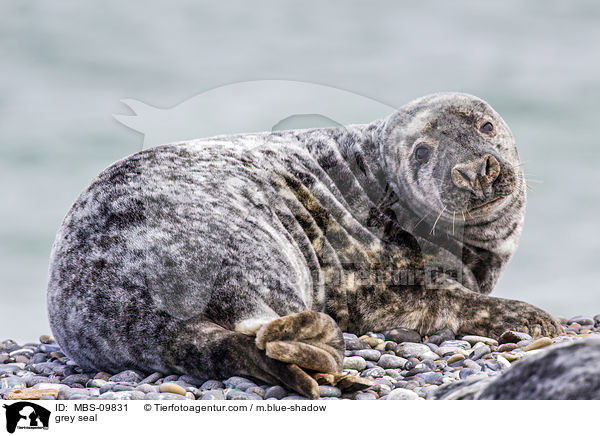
pixel 562 372
pixel 176 257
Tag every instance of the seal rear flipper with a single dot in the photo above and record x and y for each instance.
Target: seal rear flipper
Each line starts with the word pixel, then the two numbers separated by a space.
pixel 309 339
pixel 206 350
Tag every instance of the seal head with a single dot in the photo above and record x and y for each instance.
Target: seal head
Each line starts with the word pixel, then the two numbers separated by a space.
pixel 454 156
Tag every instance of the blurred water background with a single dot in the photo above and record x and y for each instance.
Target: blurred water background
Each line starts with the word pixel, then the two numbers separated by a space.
pixel 64 67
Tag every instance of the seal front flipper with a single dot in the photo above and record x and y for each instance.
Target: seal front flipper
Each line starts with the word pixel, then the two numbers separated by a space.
pixel 491 316
pixel 206 350
pixel 449 305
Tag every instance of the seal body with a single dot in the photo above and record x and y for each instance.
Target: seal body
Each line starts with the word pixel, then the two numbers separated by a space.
pixel 199 256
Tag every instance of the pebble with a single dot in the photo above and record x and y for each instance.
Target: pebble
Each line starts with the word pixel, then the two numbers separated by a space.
pixel 12 382
pixel 394 373
pixel 388 361
pixel 418 369
pixel 524 343
pixel 152 378
pixel 441 336
pixel 432 347
pixel 455 358
pixel 126 395
pixel 129 375
pixel 173 388
pixel 81 379
pixel 147 388
pixel 171 396
pixel 402 335
pixel 58 386
pixel 432 378
pixel 368 354
pixel 21 352
pixel 386 346
pixel 465 372
pixel 412 349
pixel 48 348
pixel 216 394
pixel 275 392
pixel 507 347
pixel 513 336
pixel 80 397
pixel 373 372
pixel 241 395
pixel 103 376
pixel 503 361
pixel 212 384
pixel 456 343
pixel 442 351
pixel 235 382
pixel 352 342
pixel 45 339
pixel 411 363
pixel 381 389
pixel 365 396
pixel 34 380
pixel 538 343
pixel 472 339
pixel 510 357
pixel 370 340
pixel 429 355
pixel 355 362
pixel 479 352
pixel 401 394
pixel 468 363
pixel 9 368
pixel 30 394
pixel 256 390
pixel 581 320
pixel 329 391
pixel 491 364
pixel 245 386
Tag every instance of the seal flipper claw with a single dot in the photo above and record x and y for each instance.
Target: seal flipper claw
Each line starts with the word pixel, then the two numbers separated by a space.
pixel 300 353
pixel 346 382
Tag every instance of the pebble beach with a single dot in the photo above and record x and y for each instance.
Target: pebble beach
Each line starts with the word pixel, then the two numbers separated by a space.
pixel 395 365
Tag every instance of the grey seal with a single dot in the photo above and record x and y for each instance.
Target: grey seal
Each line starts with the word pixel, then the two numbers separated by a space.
pixel 249 254
pixel 549 375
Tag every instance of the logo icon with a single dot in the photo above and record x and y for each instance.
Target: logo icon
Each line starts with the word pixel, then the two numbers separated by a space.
pixel 26 415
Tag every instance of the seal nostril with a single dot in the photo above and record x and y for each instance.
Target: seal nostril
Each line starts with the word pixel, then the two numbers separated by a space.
pixel 462 173
pixel 463 177
pixel 489 169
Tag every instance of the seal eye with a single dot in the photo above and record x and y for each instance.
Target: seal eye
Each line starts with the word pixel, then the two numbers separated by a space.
pixel 487 127
pixel 422 154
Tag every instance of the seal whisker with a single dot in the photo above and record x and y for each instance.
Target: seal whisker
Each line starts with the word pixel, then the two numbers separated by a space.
pixel 453 216
pixel 432 232
pixel 421 220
